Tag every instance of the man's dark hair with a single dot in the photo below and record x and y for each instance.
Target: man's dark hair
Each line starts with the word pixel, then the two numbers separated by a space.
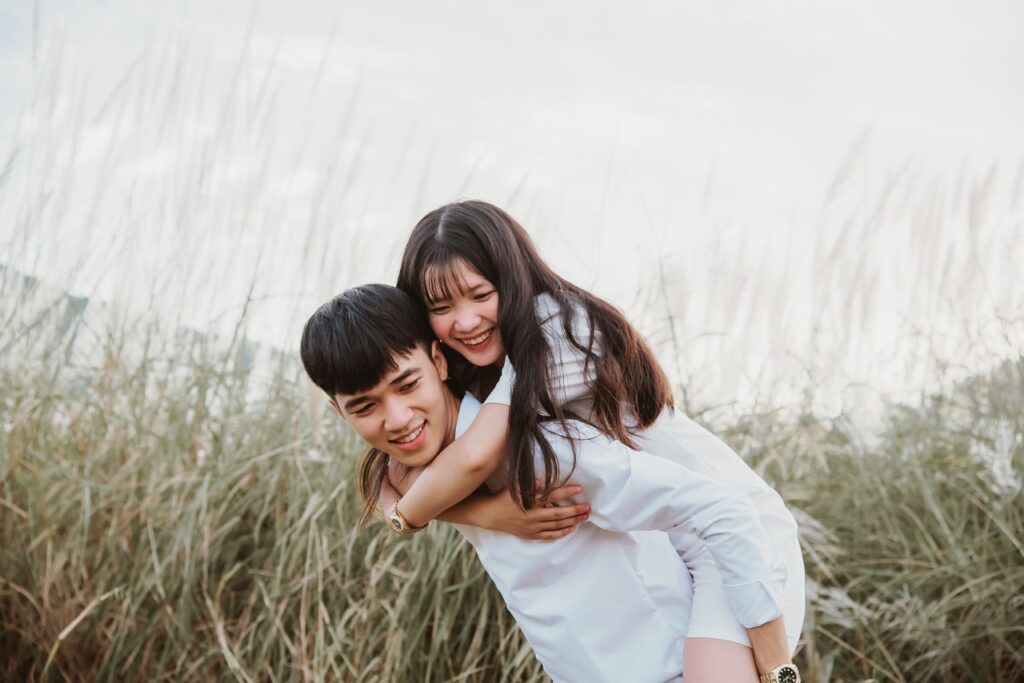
pixel 353 341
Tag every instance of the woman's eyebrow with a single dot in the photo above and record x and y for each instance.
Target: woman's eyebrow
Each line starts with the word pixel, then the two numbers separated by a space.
pixel 433 301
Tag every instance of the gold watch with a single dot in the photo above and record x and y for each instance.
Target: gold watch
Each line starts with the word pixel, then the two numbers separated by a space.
pixel 399 524
pixel 787 673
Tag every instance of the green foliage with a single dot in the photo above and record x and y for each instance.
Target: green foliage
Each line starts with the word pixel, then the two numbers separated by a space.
pixel 169 514
pixel 914 537
pixel 164 519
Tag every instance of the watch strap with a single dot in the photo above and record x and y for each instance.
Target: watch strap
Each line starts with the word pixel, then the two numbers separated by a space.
pixel 399 524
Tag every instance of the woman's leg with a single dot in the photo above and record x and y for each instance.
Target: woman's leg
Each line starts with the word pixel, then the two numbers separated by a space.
pixel 709 660
pixel 717 646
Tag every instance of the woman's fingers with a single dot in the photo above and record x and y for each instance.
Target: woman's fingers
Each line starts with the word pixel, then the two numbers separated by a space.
pixel 549 514
pixel 555 535
pixel 552 529
pixel 568 522
pixel 552 521
pixel 561 493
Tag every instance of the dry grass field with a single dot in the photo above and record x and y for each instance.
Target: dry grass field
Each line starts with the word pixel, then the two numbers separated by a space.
pixel 169 514
pixel 174 507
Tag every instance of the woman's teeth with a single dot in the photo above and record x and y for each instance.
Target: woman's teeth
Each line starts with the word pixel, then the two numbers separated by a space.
pixel 410 437
pixel 478 340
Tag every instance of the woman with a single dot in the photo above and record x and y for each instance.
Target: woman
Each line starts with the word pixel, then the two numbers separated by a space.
pixel 490 297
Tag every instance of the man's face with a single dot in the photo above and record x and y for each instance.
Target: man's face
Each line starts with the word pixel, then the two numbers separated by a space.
pixel 410 414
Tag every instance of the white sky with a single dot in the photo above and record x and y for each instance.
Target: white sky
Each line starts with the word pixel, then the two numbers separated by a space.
pixel 181 147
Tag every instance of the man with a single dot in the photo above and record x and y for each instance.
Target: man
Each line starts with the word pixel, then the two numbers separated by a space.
pixel 608 602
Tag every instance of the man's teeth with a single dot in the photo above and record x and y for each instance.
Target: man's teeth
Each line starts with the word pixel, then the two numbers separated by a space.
pixel 478 340
pixel 411 436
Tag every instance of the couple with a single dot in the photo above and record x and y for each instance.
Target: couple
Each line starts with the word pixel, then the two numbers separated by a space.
pixel 687 563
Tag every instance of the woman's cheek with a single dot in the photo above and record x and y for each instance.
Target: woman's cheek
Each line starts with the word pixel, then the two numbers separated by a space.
pixel 438 326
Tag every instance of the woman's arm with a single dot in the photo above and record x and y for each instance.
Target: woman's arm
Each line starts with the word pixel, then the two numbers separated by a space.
pixel 459 469
pixel 546 521
pixel 499 512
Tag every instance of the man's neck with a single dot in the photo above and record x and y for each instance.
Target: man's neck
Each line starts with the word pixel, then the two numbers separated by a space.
pixel 454 406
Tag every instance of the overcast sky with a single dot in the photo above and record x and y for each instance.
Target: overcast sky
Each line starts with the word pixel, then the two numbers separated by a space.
pixel 186 145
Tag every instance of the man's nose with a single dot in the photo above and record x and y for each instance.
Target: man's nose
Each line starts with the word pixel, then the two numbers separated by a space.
pixel 398 416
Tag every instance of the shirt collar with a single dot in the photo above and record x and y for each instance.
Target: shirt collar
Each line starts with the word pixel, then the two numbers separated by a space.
pixel 467 413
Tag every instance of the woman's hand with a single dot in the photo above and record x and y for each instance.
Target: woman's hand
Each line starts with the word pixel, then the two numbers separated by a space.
pixel 546 521
pixel 387 498
pixel 401 477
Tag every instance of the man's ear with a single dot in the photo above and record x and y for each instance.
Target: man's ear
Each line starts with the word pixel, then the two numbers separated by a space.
pixel 440 361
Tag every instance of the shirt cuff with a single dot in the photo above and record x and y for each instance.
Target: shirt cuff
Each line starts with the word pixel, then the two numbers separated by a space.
pixel 502 391
pixel 758 602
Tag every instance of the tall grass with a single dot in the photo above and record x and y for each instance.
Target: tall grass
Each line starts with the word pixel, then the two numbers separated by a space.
pixel 173 507
pixel 164 519
pixel 161 524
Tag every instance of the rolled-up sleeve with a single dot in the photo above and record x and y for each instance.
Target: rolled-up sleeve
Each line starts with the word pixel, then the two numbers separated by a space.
pixel 633 491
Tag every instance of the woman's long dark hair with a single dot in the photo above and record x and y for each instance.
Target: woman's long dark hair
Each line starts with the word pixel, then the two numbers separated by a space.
pixel 626 373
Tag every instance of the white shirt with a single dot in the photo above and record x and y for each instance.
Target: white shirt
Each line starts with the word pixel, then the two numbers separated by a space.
pixel 750 539
pixel 599 604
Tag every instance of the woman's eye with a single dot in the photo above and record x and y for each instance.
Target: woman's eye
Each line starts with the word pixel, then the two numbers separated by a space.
pixel 438 310
pixel 483 296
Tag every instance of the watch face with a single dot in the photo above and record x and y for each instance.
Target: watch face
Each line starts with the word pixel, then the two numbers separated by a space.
pixel 787 674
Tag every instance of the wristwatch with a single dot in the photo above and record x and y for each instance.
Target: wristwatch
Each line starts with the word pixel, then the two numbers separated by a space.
pixel 787 673
pixel 399 524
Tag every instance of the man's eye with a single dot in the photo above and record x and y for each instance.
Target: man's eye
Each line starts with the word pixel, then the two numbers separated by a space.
pixel 409 386
pixel 363 409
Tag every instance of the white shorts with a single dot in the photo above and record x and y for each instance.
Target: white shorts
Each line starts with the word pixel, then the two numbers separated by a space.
pixel 712 617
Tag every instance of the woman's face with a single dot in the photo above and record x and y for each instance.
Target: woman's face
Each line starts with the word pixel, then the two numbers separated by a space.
pixel 468 320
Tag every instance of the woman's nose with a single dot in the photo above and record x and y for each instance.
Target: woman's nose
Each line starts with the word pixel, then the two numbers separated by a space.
pixel 466 319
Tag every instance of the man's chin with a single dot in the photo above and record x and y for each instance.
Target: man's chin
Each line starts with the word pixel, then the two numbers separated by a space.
pixel 420 458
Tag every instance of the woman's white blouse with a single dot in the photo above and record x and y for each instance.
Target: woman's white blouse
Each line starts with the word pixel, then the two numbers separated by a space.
pixel 697 487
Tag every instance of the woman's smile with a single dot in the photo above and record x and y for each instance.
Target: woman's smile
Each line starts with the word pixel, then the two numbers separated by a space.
pixel 480 341
pixel 467 320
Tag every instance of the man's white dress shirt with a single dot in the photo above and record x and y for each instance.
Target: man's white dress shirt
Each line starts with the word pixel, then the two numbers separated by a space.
pixel 611 601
